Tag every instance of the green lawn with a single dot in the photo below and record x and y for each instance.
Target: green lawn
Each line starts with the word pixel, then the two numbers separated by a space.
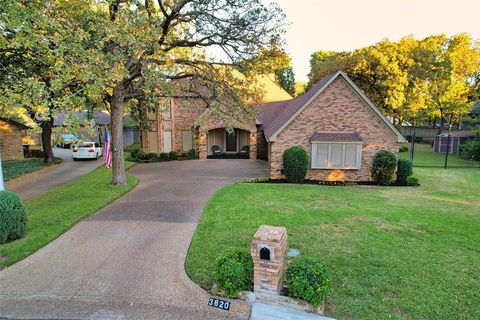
pixel 392 252
pixel 16 168
pixel 424 157
pixel 53 213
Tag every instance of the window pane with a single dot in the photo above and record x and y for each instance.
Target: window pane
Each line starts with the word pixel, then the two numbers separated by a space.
pixel 336 155
pixel 322 154
pixel 350 155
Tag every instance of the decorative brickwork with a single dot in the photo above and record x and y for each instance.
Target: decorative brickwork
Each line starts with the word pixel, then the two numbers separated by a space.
pixel 268 251
pixel 337 108
pixel 10 142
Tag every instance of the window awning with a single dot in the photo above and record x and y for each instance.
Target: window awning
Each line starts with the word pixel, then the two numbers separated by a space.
pixel 336 136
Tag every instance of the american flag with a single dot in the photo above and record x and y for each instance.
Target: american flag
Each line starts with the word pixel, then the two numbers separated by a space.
pixel 108 157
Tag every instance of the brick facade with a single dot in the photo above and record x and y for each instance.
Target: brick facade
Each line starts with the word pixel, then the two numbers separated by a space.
pixel 10 142
pixel 337 108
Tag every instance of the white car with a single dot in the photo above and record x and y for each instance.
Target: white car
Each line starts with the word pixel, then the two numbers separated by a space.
pixel 87 150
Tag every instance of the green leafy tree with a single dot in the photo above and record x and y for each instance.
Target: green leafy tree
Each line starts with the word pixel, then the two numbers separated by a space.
pixel 158 50
pixel 46 57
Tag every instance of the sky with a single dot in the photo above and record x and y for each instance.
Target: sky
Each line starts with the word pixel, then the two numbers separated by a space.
pixel 340 25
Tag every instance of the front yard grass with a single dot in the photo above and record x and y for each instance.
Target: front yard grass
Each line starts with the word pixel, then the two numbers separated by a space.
pixel 16 168
pixel 56 211
pixel 392 252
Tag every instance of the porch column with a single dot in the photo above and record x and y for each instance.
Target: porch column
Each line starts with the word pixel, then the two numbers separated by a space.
pixel 253 145
pixel 202 146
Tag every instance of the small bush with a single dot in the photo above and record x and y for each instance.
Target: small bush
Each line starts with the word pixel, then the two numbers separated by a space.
pixel 172 155
pixel 470 150
pixel 152 156
pixel 404 170
pixel 191 154
pixel 403 149
pixel 13 217
pixel 234 271
pixel 295 164
pixel 412 181
pixel 164 156
pixel 135 153
pixel 35 153
pixel 383 167
pixel 308 279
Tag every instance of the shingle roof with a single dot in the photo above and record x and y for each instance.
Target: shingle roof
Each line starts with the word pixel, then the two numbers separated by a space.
pixel 334 136
pixel 276 115
pixel 273 115
pixel 16 123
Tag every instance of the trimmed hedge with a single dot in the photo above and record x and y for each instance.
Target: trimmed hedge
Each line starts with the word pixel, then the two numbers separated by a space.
pixel 295 164
pixel 308 279
pixel 404 170
pixel 234 271
pixel 13 217
pixel 470 150
pixel 383 167
pixel 412 181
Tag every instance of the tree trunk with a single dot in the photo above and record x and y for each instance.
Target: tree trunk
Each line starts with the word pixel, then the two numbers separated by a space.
pixel 46 126
pixel 116 105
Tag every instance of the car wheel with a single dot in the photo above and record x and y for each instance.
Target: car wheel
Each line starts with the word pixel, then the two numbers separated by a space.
pixel 75 159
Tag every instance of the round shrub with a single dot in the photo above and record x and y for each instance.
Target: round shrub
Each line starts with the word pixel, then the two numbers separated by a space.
pixel 403 149
pixel 164 156
pixel 404 170
pixel 412 181
pixel 295 164
pixel 172 155
pixel 192 154
pixel 13 217
pixel 383 167
pixel 470 150
pixel 308 279
pixel 234 271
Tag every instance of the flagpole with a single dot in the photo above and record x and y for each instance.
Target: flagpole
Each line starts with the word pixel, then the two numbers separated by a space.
pixel 2 185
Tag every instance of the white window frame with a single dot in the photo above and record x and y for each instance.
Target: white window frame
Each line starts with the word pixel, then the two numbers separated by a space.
pixel 358 160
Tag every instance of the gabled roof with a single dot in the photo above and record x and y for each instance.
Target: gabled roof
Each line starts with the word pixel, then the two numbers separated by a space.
pixel 275 116
pixel 20 125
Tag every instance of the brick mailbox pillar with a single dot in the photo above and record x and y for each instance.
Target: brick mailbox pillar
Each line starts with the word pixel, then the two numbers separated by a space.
pixel 268 250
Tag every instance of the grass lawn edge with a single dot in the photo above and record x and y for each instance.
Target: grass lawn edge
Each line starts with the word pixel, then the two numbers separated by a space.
pixel 6 261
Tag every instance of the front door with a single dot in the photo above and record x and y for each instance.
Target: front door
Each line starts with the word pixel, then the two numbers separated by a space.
pixel 232 141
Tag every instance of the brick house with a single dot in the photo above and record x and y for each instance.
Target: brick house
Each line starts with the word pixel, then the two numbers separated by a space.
pixel 334 122
pixel 11 133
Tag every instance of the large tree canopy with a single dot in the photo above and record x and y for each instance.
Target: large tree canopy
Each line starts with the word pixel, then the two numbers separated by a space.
pixel 137 52
pixel 415 80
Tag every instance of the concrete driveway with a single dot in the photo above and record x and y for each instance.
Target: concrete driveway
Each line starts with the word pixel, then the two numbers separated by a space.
pixel 127 260
pixel 31 185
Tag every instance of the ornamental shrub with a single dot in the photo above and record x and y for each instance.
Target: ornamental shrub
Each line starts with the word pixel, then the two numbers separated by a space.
pixel 234 271
pixel 470 150
pixel 412 181
pixel 404 170
pixel 164 156
pixel 13 217
pixel 383 167
pixel 191 154
pixel 307 279
pixel 295 164
pixel 172 155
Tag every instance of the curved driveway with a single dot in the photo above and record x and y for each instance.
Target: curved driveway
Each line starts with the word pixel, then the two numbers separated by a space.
pixel 127 260
pixel 31 185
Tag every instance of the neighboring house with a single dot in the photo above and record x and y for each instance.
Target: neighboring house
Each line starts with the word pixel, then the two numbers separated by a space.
pixel 101 119
pixel 11 134
pixel 334 122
